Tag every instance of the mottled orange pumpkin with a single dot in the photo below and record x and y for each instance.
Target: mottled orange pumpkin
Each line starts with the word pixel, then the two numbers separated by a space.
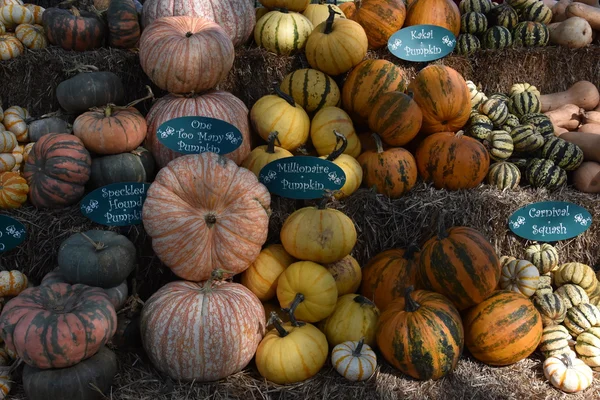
pixel 13 190
pixel 396 118
pixel 444 13
pixel 380 18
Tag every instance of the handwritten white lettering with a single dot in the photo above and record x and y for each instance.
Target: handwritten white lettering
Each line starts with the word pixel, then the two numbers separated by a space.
pixel 549 230
pixel 550 212
pixel 128 190
pixel 422 34
pixel 302 186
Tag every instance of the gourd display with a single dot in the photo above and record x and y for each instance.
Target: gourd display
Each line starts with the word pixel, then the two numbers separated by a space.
pixel 520 276
pixel 544 256
pixel 262 275
pixel 396 118
pixel 568 373
pixel 310 88
pixel 134 166
pixel 282 32
pixel 347 274
pixel 353 318
pixel 220 223
pixel 354 360
pixel 380 19
pixel 123 24
pixel 90 89
pixel 72 29
pixel 215 327
pixel 13 190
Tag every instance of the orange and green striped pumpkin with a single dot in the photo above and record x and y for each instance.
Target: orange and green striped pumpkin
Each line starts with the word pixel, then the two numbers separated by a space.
pixel 380 18
pixel 396 118
pixel 123 24
pixel 421 334
pixel 444 13
pixel 13 190
pixel 503 329
pixel 461 264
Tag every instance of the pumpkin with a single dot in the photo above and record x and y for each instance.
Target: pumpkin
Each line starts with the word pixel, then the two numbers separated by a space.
pixel 70 324
pixel 442 13
pixel 318 234
pixel 31 36
pixel 352 169
pixel 544 286
pixel 555 341
pixel 543 256
pixel 220 224
pixel 502 329
pixel 262 155
pixel 12 283
pixel 572 295
pixel 353 318
pixel 581 317
pixel 123 24
pixel 89 89
pixel 366 83
pixel 461 264
pixel 568 373
pixel 15 118
pixel 13 15
pixel 13 190
pixel 504 175
pixel 134 166
pixel 577 273
pixel 186 54
pixel 280 113
pixel 505 260
pixel 588 347
pixel 520 276
pixel 82 381
pixel 44 126
pixel 214 329
pixel 291 352
pixel 10 47
pixel 381 19
pixel 261 277
pixel 396 118
pixel 308 290
pixel 8 143
pixel 355 361
pixel 442 95
pixel 36 11
pixel 347 275
pixel 324 123
pixel 282 32
pixel 551 308
pixel 421 334
pixel 310 88
pixel 212 104
pixel 57 170
pixel 336 45
pixel 292 5
pixel 318 13
pixel 236 17
pixel 72 29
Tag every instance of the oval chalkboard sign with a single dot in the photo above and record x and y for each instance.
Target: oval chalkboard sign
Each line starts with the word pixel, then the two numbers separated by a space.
pixel 302 177
pixel 550 221
pixel 422 43
pixel 195 135
pixel 12 233
pixel 117 204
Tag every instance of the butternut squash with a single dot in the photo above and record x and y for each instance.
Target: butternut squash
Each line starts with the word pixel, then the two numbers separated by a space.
pixel 586 178
pixel 588 142
pixel 597 108
pixel 560 130
pixel 590 117
pixel 573 33
pixel 559 10
pixel 590 13
pixel 593 3
pixel 590 128
pixel 566 116
pixel 583 94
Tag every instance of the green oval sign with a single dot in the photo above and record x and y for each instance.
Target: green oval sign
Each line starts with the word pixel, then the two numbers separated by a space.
pixel 195 135
pixel 117 204
pixel 12 233
pixel 422 43
pixel 550 221
pixel 302 177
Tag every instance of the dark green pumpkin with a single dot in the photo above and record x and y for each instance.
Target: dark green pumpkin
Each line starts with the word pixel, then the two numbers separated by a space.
pixel 524 103
pixel 526 138
pixel 45 126
pixel 90 89
pixel 542 123
pixel 565 154
pixel 467 44
pixel 503 15
pixel 497 37
pixel 474 23
pixel 135 166
pixel 504 175
pixel 530 34
pixel 479 126
pixel 97 258
pixel 482 6
pixel 123 24
pixel 72 29
pixel 542 173
pixel 79 382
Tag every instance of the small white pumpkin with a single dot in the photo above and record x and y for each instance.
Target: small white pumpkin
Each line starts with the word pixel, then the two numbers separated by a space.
pixel 355 361
pixel 520 276
pixel 5 381
pixel 568 373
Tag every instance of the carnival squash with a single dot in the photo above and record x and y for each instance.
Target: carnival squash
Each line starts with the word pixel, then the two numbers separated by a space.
pixel 33 37
pixel 12 283
pixel 13 190
pixel 15 121
pixel 568 373
pixel 520 276
pixel 262 275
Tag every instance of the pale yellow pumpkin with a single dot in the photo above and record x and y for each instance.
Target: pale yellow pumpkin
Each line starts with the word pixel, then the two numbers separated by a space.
pixel 15 14
pixel 318 13
pixel 555 341
pixel 10 47
pixel 568 373
pixel 347 274
pixel 351 167
pixel 15 120
pixel 31 36
pixel 262 155
pixel 354 317
pixel 355 361
pixel 282 32
pixel 262 275
pixel 520 276
pixel 324 123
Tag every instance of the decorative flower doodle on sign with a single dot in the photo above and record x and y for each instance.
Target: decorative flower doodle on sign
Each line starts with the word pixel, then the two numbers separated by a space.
pixel 91 207
pixel 516 224
pixel 169 131
pixel 269 177
pixel 14 232
pixel 448 42
pixel 334 178
pixel 582 221
pixel 397 43
pixel 231 137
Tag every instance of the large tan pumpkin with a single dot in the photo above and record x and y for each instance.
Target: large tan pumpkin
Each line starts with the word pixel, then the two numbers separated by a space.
pixel 205 213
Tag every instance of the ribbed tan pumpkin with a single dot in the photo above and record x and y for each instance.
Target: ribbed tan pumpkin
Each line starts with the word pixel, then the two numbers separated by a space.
pixel 202 332
pixel 322 136
pixel 578 274
pixel 185 54
pixel 205 213
pixel 261 277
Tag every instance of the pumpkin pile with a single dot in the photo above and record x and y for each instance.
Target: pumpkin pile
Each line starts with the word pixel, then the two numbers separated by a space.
pixel 20 28
pixel 574 24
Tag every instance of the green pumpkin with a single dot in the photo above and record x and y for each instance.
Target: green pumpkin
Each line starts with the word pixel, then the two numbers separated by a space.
pixel 482 6
pixel 565 154
pixel 504 175
pixel 541 122
pixel 537 12
pixel 500 145
pixel 474 23
pixel 497 37
pixel 581 317
pixel 526 138
pixel 135 166
pixel 495 109
pixel 543 173
pixel 479 126
pixel 504 15
pixel 530 34
pixel 467 44
pixel 511 123
pixel 524 103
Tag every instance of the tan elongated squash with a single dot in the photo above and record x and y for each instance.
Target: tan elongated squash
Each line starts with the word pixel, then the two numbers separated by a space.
pixel 565 116
pixel 590 13
pixel 574 33
pixel 590 117
pixel 583 94
pixel 559 10
pixel 586 178
pixel 589 128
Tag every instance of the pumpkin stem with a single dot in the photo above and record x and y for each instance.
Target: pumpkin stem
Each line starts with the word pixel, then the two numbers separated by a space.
pixel 292 309
pixel 149 96
pixel 322 205
pixel 284 96
pixel 271 142
pixel 412 248
pixel 336 153
pixel 329 21
pixel 189 34
pixel 378 143
pixel 460 133
pixel 75 11
pixel 210 219
pixel 277 323
pixel 358 350
pixel 362 300
pixel 411 304
pixel 97 245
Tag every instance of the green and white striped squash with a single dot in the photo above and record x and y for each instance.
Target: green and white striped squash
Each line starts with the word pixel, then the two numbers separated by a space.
pixel 467 44
pixel 555 341
pixel 543 256
pixel 542 123
pixel 565 154
pixel 505 260
pixel 497 37
pixel 572 295
pixel 479 126
pixel 496 110
pixel 551 308
pixel 537 12
pixel 530 34
pixel 587 347
pixel 482 6
pixel 511 123
pixel 282 32
pixel 545 285
pixel 504 175
pixel 499 145
pixel 500 96
pixel 520 276
pixel 477 96
pixel 576 273
pixel 504 15
pixel 311 89
pixel 526 139
pixel 524 103
pixel 517 88
pixel 542 173
pixel 581 317
pixel 520 4
pixel 474 23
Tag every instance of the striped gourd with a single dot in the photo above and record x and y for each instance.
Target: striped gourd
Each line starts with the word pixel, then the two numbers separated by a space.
pixel 31 36
pixel 595 301
pixel 520 4
pixel 551 307
pixel 482 6
pixel 542 123
pixel 467 44
pixel 526 138
pixel 479 126
pixel 500 145
pixel 572 295
pixel 588 347
pixel 520 276
pixel 282 32
pixel 14 14
pixel 537 12
pixel 511 123
pixel 555 341
pixel 10 47
pixel 312 89
pixel 543 256
pixel 497 37
pixel 477 96
pixel 581 317
pixel 523 87
pixel 544 174
pixel 578 274
pixel 530 34
pixel 496 110
pixel 504 15
pixel 545 285
pixel 473 22
pixel 565 154
pixel 524 103
pixel 505 260
pixel 504 175
pixel 36 11
pixel 500 96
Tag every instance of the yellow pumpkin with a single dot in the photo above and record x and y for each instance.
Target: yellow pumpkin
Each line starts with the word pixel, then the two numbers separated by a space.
pixel 353 318
pixel 351 167
pixel 318 13
pixel 262 155
pixel 318 234
pixel 308 290
pixel 324 123
pixel 261 277
pixel 578 274
pixel 13 192
pixel 15 120
pixel 280 113
pixel 312 89
pixel 347 274
pixel 10 47
pixel 355 361
pixel 31 36
pixel 282 32
pixel 12 283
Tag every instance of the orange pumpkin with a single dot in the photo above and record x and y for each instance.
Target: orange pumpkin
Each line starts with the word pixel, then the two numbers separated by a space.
pixel 368 142
pixel 13 190
pixel 452 161
pixel 392 172
pixel 380 18
pixel 444 13
pixel 443 96
pixel 205 213
pixel 396 117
